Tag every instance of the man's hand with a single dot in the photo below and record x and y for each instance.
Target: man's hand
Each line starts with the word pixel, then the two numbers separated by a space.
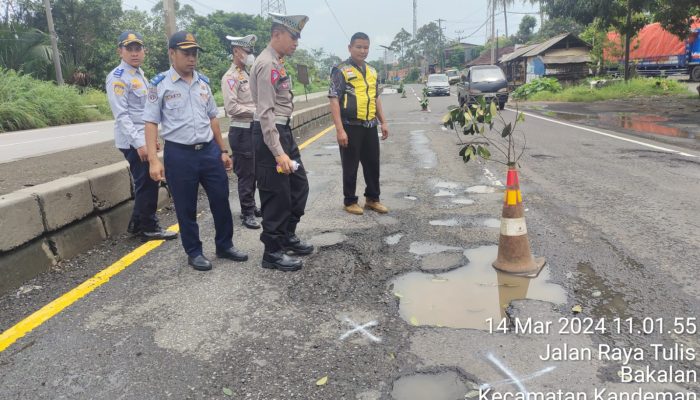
pixel 156 170
pixel 285 163
pixel 228 164
pixel 143 153
pixel 385 131
pixel 342 138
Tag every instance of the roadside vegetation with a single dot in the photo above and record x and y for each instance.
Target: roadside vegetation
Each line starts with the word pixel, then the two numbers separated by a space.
pixel 546 90
pixel 27 103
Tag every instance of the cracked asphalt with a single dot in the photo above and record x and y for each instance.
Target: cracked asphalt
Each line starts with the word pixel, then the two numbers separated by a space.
pixel 617 222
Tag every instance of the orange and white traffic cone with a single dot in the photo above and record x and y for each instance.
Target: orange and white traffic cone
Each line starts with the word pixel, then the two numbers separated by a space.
pixel 514 254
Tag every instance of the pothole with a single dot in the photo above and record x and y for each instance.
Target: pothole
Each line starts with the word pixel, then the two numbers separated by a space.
pixel 423 248
pixel 420 146
pixel 409 197
pixel 447 185
pixel 328 239
pixel 444 222
pixel 480 189
pixel 462 201
pixel 443 386
pixel 393 239
pixel 466 297
pixel 444 193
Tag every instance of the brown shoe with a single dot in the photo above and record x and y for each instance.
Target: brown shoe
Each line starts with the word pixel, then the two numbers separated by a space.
pixel 354 209
pixel 376 206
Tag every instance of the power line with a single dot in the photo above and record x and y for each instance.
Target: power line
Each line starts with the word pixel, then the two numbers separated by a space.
pixel 336 19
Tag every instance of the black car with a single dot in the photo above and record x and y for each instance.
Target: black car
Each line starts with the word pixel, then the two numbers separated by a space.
pixel 483 80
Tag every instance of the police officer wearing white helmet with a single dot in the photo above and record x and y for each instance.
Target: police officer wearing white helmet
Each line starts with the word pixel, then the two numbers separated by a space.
pixel 239 106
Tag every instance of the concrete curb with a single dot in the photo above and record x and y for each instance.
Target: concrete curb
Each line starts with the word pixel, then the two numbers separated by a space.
pixel 55 221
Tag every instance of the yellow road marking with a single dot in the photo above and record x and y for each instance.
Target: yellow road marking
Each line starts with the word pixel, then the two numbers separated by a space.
pixel 11 335
pixel 315 137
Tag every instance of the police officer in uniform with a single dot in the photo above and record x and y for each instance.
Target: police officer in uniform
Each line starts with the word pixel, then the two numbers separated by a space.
pixel 126 88
pixel 239 106
pixel 283 194
pixel 357 109
pixel 182 102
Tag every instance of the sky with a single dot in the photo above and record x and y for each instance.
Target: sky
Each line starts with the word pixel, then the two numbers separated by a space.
pixel 380 19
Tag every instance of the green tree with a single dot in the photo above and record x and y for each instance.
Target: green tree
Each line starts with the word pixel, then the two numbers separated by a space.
pixel 526 29
pixel 425 43
pixel 26 50
pixel 676 15
pixel 400 43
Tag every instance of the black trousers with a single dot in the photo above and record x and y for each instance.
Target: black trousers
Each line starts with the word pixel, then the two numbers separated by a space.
pixel 282 197
pixel 363 147
pixel 143 217
pixel 241 141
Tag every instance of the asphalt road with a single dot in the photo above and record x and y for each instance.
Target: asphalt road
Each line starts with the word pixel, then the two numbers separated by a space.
pixel 616 220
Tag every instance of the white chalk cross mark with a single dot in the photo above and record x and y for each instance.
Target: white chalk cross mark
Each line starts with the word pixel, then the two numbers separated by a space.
pixel 362 329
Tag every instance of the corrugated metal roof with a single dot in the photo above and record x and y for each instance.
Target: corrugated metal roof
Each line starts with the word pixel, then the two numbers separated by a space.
pixel 537 48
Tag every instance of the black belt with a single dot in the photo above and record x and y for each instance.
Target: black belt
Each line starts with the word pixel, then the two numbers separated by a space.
pixel 195 147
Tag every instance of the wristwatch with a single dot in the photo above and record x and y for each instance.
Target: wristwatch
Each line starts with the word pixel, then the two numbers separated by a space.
pixel 224 151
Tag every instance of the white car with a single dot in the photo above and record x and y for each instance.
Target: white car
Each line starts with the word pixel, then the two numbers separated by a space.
pixel 438 84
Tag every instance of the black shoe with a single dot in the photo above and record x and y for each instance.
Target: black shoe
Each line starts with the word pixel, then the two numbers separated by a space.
pixel 133 228
pixel 281 261
pixel 250 222
pixel 298 246
pixel 158 234
pixel 232 254
pixel 200 263
pixel 257 212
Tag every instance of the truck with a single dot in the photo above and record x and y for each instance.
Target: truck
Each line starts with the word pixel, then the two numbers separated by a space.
pixel 657 52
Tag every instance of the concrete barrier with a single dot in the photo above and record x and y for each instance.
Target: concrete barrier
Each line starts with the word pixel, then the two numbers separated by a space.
pixel 55 221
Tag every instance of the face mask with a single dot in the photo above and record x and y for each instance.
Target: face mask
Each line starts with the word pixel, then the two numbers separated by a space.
pixel 249 60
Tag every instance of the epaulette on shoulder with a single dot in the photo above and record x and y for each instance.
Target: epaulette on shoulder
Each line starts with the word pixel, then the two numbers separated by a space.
pixel 118 72
pixel 157 79
pixel 203 78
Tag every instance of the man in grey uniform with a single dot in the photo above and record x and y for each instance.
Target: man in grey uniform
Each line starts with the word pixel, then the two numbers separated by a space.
pixel 283 194
pixel 239 106
pixel 181 100
pixel 126 88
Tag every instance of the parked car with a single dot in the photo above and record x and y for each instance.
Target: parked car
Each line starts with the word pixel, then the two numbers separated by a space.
pixel 483 80
pixel 438 84
pixel 453 76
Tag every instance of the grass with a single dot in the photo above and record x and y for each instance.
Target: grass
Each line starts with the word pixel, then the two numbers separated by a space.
pixel 639 87
pixel 27 103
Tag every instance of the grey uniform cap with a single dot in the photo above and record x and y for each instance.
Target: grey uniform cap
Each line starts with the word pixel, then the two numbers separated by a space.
pixel 295 23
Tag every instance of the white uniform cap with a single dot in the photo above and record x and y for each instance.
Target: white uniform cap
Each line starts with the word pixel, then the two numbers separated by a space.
pixel 245 41
pixel 295 23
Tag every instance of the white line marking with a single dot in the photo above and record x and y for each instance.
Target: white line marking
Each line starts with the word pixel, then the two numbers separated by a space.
pixel 362 329
pixel 47 139
pixel 680 153
pixel 523 379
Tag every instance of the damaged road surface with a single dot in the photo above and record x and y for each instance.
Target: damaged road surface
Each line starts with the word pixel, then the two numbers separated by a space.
pixel 404 305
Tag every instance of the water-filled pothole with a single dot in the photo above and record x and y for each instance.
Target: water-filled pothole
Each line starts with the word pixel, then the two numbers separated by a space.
pixel 467 296
pixel 444 193
pixel 480 189
pixel 462 201
pixel 393 239
pixel 443 386
pixel 423 248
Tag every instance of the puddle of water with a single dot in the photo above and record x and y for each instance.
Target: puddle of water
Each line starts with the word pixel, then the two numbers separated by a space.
pixel 643 123
pixel 467 296
pixel 609 301
pixel 409 197
pixel 393 239
pixel 327 239
pixel 423 248
pixel 443 386
pixel 445 222
pixel 492 223
pixel 463 201
pixel 420 145
pixel 480 189
pixel 444 193
pixel 447 185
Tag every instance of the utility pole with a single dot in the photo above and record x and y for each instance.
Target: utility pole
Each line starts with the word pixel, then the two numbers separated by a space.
pixel 628 37
pixel 275 6
pixel 493 31
pixel 415 17
pixel 442 47
pixel 54 43
pixel 459 35
pixel 169 11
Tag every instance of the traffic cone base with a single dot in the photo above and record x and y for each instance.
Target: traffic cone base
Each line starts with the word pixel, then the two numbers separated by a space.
pixel 514 254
